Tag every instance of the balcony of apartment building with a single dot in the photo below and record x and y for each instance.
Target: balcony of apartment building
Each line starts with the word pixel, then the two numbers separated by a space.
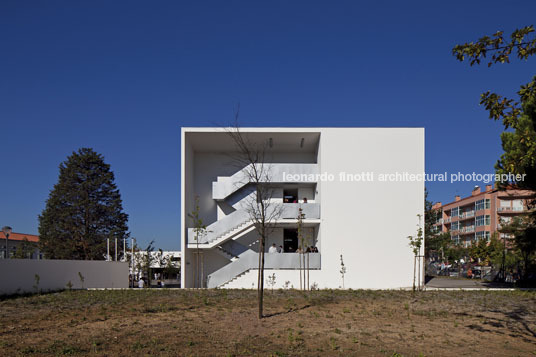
pixel 467 229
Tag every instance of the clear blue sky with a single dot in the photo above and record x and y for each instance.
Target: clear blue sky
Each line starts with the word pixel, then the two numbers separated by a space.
pixel 123 77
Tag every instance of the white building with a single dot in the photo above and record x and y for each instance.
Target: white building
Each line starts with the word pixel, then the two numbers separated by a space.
pixel 160 262
pixel 353 184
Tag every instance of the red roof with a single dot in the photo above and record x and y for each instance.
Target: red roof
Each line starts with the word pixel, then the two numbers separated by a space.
pixel 20 237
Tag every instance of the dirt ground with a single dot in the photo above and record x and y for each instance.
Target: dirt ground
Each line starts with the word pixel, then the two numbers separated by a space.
pixel 224 323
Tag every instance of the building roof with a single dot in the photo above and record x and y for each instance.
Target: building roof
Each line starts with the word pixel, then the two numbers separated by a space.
pixel 20 237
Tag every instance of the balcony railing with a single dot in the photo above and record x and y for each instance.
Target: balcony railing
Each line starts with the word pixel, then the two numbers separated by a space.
pixel 467 229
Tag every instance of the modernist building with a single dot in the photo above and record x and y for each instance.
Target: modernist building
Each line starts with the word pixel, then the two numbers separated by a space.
pixel 334 175
pixel 478 216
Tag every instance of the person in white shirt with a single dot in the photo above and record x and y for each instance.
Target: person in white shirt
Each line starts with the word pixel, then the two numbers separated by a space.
pixel 141 283
pixel 273 249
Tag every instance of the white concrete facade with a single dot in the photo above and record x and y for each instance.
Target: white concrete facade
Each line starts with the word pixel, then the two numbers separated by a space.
pixel 361 203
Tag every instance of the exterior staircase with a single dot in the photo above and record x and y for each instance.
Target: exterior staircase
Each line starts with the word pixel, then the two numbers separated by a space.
pixel 227 185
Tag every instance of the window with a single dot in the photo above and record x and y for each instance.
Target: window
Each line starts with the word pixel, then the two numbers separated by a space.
pixel 290 195
pixel 456 239
pixel 454 226
pixel 479 221
pixel 454 212
pixel 505 204
pixel 290 240
pixel 488 220
pixel 517 205
pixel 488 203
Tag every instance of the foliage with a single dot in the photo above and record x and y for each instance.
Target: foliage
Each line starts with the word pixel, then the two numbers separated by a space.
pixel 24 250
pixel 415 242
pixel 342 271
pixel 271 280
pixel 83 209
pixel 147 260
pixel 430 216
pixel 519 146
pixel 431 235
pixel 523 230
pixel 520 42
pixel 439 243
pixel 456 252
pixel 489 253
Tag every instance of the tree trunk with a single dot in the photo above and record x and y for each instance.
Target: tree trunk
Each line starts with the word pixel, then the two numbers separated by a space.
pixel 308 282
pixel 300 270
pixel 261 279
pixel 414 272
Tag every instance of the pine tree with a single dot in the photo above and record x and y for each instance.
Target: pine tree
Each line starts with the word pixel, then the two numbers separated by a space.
pixel 83 209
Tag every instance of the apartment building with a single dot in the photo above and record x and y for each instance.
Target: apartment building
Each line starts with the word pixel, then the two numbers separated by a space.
pixel 478 216
pixel 331 174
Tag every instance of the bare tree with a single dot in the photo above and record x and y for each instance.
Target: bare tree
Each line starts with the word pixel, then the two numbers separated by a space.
pixel 251 157
pixel 200 230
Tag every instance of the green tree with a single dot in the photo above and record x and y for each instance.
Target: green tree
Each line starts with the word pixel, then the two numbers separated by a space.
pixel 523 230
pixel 438 243
pixel 520 144
pixel 431 232
pixel 83 209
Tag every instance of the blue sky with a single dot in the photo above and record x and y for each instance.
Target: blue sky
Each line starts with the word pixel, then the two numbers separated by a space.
pixel 123 77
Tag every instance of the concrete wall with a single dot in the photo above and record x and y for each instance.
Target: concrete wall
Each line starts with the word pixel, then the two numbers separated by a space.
pixel 18 275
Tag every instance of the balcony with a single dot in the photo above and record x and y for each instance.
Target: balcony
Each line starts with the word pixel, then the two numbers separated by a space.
pixel 309 210
pixel 467 229
pixel 510 209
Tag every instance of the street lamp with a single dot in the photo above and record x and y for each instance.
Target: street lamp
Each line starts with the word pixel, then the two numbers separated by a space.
pixel 7 231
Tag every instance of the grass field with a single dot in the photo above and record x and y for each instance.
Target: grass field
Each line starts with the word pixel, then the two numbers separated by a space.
pixel 224 323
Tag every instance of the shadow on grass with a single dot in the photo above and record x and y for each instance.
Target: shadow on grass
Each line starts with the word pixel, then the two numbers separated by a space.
pixel 29 294
pixel 286 312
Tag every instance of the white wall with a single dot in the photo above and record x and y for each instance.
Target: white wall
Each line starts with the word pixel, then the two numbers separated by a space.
pixel 19 275
pixel 368 222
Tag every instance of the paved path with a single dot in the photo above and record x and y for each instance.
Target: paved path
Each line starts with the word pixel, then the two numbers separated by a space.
pixel 457 283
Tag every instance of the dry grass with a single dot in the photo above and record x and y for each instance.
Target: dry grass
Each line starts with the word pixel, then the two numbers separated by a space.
pixel 224 323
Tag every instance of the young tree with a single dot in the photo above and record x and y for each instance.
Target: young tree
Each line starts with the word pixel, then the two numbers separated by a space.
pixel 303 241
pixel 83 209
pixel 415 242
pixel 146 261
pixel 342 271
pixel 252 157
pixel 200 230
